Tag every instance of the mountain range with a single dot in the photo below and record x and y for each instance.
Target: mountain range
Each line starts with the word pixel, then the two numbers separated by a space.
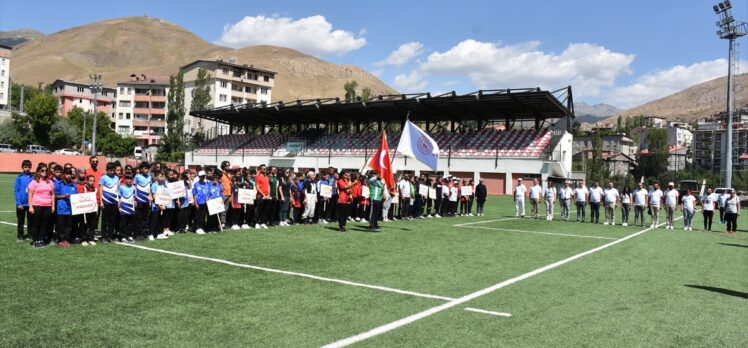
pixel 17 37
pixel 117 48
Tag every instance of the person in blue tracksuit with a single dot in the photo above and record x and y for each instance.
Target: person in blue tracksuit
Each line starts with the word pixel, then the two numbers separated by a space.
pixel 109 186
pixel 200 194
pixel 160 214
pixel 63 189
pixel 127 210
pixel 22 198
pixel 142 182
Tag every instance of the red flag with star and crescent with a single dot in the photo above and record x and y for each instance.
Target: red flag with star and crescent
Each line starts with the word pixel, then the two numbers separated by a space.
pixel 381 162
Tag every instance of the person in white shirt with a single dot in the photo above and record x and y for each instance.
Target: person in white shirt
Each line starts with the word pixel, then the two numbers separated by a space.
pixel 641 196
pixel 404 187
pixel 689 201
pixel 596 197
pixel 671 202
pixel 535 191
pixel 722 199
pixel 611 201
pixel 565 195
pixel 581 194
pixel 549 195
pixel 655 199
pixel 520 192
pixel 732 210
pixel 708 202
pixel 625 205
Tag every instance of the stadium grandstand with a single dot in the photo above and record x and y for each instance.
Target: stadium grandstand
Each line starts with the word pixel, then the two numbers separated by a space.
pixel 494 135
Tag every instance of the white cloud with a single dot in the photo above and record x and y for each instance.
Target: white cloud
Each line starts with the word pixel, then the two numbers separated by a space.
pixel 662 83
pixel 587 67
pixel 313 35
pixel 403 54
pixel 412 82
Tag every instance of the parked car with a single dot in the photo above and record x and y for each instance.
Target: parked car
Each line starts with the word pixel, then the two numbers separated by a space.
pixel 37 149
pixel 67 152
pixel 138 152
pixel 7 148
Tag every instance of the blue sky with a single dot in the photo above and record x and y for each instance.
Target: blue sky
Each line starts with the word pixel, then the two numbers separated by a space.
pixel 624 53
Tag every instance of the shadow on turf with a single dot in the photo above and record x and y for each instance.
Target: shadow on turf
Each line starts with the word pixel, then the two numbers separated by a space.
pixel 720 290
pixel 735 245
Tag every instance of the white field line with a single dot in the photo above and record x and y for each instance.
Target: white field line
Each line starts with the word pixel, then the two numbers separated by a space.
pixel 7 211
pixel 476 310
pixel 8 223
pixel 509 218
pixel 303 275
pixel 431 311
pixel 537 232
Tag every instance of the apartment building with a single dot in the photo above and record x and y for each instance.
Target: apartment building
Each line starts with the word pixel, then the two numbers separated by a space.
pixel 709 143
pixel 5 76
pixel 230 83
pixel 141 108
pixel 72 94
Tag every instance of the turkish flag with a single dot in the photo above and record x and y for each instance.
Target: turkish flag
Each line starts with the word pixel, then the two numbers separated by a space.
pixel 381 162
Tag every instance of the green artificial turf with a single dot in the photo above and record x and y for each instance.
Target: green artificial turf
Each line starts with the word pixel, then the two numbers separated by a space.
pixel 661 288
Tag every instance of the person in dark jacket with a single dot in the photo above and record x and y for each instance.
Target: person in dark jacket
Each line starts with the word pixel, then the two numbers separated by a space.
pixel 480 195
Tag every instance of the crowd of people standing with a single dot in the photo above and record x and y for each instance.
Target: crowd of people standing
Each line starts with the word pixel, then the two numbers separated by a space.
pixel 651 199
pixel 130 207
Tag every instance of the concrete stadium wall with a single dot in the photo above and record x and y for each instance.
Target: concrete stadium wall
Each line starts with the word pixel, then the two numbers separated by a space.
pixel 11 162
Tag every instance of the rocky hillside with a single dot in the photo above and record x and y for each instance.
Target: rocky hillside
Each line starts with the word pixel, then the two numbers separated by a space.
pixel 17 37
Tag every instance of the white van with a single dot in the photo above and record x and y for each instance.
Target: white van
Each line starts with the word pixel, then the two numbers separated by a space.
pixel 138 152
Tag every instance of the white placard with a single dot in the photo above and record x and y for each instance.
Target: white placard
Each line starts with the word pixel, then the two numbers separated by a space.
pixel 467 190
pixel 163 197
pixel 84 203
pixel 246 196
pixel 215 206
pixel 423 190
pixel 176 189
pixel 365 192
pixel 325 191
pixel 432 193
pixel 395 199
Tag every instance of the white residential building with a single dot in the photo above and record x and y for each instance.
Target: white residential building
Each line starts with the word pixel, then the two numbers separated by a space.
pixel 5 52
pixel 230 83
pixel 141 108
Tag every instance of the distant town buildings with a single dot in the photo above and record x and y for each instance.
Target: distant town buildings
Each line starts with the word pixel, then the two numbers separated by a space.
pixel 618 151
pixel 72 94
pixel 5 76
pixel 709 145
pixel 141 108
pixel 230 83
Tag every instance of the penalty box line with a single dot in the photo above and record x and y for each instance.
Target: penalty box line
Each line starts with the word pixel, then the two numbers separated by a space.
pixel 431 311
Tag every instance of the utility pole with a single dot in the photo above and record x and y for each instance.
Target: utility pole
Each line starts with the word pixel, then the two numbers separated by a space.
pixel 730 30
pixel 95 88
pixel 20 103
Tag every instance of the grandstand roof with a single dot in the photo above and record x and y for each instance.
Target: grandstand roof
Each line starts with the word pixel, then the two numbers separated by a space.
pixel 485 105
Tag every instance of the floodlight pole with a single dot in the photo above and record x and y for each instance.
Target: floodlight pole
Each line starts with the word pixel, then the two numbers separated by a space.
pixel 95 88
pixel 730 30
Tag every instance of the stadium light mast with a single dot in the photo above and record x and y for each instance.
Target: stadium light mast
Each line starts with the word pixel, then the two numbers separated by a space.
pixel 95 88
pixel 730 30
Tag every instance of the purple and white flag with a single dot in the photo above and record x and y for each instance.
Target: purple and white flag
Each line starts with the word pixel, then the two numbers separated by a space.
pixel 415 143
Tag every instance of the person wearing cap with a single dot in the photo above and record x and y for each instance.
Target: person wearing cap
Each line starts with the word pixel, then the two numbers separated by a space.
pixel 520 192
pixel 671 203
pixel 200 194
pixel 481 193
pixel 564 195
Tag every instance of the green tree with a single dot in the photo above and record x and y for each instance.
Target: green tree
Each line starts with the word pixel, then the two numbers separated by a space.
pixel 171 145
pixel 113 144
pixel 29 92
pixel 77 117
pixel 350 89
pixel 597 169
pixel 16 131
pixel 64 134
pixel 366 93
pixel 654 162
pixel 201 93
pixel 42 111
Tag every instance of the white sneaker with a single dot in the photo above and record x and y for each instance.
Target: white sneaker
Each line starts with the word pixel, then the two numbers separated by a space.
pixel 235 227
pixel 123 240
pixel 264 226
pixel 258 226
pixel 613 223
pixel 624 224
pixel 91 243
pixel 364 220
pixel 245 227
pixel 605 223
pixel 386 220
pixel 358 219
pixel 84 243
pixel 151 237
pixel 162 236
pixel 199 231
pixel 168 233
pixel 437 216
pixel 429 216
